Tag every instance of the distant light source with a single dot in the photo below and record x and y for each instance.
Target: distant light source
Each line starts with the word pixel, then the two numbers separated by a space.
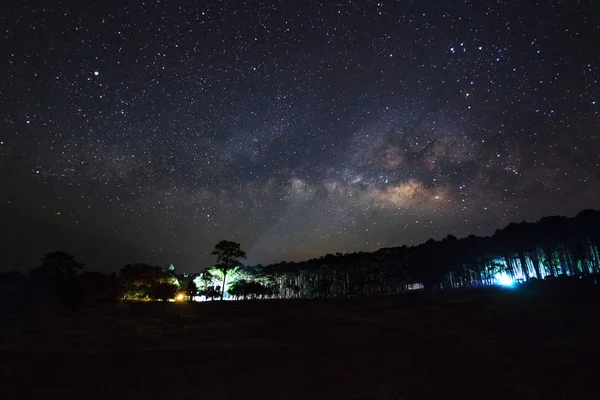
pixel 503 279
pixel 180 297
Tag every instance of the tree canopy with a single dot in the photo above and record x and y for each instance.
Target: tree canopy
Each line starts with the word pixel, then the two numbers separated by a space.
pixel 228 256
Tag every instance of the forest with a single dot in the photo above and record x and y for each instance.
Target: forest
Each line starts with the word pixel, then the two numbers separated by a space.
pixel 551 249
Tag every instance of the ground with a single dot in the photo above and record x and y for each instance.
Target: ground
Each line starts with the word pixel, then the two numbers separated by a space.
pixel 464 345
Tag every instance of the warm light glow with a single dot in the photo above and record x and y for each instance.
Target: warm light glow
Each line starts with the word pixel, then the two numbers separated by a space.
pixel 180 297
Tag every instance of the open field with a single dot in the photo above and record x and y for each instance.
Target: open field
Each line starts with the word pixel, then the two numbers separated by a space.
pixel 477 344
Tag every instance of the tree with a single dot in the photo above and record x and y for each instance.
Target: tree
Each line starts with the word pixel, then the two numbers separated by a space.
pixel 204 279
pixel 97 286
pixel 191 290
pixel 138 280
pixel 56 279
pixel 164 291
pixel 57 266
pixel 211 292
pixel 228 255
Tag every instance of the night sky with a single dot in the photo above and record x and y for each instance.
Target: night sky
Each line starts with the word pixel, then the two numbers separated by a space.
pixel 149 132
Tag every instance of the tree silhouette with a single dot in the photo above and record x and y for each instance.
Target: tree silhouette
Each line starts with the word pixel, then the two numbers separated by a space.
pixel 551 247
pixel 57 266
pixel 97 286
pixel 211 292
pixel 228 256
pixel 138 280
pixel 164 291
pixel 559 251
pixel 56 279
pixel 191 290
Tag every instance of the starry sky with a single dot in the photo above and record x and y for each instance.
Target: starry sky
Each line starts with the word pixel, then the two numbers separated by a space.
pixel 147 132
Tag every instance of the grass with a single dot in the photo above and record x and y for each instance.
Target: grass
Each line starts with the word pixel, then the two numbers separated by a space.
pixel 485 344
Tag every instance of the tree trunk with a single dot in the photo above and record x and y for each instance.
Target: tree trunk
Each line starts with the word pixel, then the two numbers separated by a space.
pixel 223 288
pixel 535 260
pixel 524 266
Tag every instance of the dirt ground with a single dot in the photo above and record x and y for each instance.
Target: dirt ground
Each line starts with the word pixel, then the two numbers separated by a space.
pixel 458 345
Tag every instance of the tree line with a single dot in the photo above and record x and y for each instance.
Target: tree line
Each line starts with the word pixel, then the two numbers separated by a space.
pixel 521 252
pixel 553 247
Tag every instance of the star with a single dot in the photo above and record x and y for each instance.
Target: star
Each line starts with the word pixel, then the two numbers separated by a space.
pixel 289 129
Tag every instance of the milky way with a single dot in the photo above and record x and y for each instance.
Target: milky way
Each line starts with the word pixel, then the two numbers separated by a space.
pixel 147 133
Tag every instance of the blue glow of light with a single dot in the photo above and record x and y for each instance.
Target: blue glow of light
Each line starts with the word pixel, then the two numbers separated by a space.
pixel 503 279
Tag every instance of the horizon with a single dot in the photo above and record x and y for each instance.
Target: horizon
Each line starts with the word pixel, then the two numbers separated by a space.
pixel 150 132
pixel 211 265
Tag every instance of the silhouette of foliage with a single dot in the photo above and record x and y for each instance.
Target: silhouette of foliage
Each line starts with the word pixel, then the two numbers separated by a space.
pixel 55 267
pixel 139 279
pixel 56 279
pixel 164 291
pixel 551 247
pixel 211 292
pixel 556 252
pixel 248 289
pixel 99 287
pixel 191 290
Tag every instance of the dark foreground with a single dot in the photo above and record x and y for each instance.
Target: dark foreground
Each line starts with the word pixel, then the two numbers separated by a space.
pixel 477 345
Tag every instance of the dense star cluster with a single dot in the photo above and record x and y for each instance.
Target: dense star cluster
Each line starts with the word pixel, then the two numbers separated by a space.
pixel 150 131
